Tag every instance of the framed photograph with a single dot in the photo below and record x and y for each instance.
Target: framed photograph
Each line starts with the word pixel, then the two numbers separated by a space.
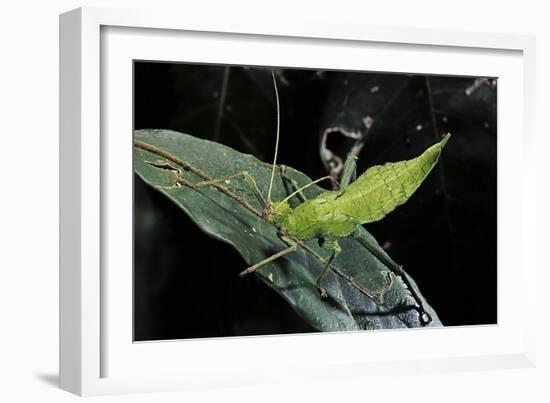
pixel 239 208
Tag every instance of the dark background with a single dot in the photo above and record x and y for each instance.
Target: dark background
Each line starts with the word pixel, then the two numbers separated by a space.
pixel 186 284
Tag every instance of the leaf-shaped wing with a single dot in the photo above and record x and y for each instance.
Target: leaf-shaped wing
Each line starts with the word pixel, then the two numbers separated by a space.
pixel 382 188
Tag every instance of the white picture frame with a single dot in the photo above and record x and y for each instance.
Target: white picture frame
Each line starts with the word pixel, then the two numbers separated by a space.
pixel 96 354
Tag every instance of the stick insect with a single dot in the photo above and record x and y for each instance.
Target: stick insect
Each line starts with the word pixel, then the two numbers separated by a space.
pixel 333 215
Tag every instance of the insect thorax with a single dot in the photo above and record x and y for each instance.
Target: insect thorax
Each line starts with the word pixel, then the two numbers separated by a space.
pixel 315 218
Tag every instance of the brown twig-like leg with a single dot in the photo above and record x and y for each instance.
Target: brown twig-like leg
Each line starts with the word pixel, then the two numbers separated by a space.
pixel 397 269
pixel 267 260
pixel 247 177
pixel 333 246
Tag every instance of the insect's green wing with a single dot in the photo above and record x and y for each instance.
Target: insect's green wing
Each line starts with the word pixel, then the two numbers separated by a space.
pixel 382 188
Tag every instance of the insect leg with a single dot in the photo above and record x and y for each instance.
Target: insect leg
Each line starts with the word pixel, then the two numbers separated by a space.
pixel 248 179
pixel 301 189
pixel 294 184
pixel 360 235
pixel 350 171
pixel 269 259
pixel 336 249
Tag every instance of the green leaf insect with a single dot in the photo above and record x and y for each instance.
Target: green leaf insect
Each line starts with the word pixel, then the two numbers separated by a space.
pixel 333 215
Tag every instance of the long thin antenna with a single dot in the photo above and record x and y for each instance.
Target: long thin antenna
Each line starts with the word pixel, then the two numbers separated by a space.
pixel 277 141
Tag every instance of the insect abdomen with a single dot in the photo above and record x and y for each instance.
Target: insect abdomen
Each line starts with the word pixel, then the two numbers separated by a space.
pixel 382 188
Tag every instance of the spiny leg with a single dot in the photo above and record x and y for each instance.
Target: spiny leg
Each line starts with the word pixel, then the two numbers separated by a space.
pixel 335 248
pixel 248 179
pixel 397 269
pixel 293 247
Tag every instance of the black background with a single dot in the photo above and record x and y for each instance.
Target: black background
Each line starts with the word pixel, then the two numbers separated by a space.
pixel 186 284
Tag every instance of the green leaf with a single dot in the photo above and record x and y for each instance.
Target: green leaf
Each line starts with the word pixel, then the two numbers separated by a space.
pixel 362 293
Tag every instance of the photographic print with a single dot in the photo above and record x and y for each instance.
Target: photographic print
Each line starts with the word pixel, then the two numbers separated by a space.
pixel 275 200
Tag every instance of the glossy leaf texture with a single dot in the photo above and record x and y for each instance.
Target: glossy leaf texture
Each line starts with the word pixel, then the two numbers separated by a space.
pixel 362 293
